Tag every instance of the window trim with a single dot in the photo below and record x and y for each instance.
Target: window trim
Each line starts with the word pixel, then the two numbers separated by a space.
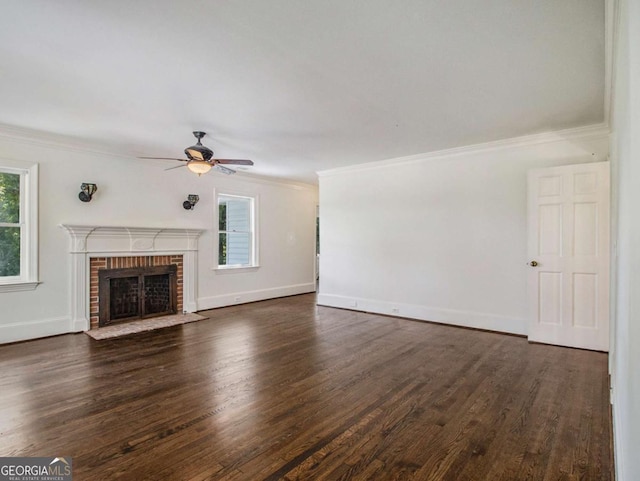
pixel 28 279
pixel 255 237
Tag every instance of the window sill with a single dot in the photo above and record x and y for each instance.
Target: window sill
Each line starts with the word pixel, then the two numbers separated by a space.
pixel 235 270
pixel 19 286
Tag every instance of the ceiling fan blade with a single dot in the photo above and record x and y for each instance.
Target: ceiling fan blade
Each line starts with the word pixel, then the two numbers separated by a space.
pixel 164 158
pixel 224 170
pixel 176 167
pixel 234 161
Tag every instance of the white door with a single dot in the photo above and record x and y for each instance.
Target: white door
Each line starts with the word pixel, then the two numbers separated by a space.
pixel 568 246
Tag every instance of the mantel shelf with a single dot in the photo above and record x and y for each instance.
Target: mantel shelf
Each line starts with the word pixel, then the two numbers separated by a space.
pixel 98 238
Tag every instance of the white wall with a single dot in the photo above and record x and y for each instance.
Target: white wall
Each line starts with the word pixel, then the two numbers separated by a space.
pixel 625 149
pixel 135 192
pixel 440 237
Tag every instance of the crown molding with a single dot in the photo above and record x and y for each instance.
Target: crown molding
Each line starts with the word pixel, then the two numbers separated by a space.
pixel 278 181
pixel 590 131
pixel 56 141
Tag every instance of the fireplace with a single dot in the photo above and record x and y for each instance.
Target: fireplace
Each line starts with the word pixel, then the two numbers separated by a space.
pixel 136 293
pixel 93 248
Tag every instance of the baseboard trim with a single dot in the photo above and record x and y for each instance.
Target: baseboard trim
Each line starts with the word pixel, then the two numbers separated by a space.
pixel 80 325
pixel 252 296
pixel 24 331
pixel 617 437
pixel 472 319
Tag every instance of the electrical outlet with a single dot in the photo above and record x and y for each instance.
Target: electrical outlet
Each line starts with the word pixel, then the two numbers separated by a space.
pixel 395 310
pixel 353 304
pixel 237 298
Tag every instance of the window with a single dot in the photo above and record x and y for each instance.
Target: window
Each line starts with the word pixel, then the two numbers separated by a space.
pixel 236 231
pixel 18 226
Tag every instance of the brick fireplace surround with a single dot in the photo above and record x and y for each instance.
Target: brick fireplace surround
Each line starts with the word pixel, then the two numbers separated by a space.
pixel 95 247
pixel 97 263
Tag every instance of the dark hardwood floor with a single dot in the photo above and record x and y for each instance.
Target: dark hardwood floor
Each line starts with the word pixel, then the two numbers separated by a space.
pixel 282 389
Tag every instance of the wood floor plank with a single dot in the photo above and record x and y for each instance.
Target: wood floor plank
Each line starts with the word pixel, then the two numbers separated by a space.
pixel 286 390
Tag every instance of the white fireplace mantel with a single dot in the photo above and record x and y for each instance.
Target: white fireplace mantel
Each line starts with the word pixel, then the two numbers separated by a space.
pixel 88 241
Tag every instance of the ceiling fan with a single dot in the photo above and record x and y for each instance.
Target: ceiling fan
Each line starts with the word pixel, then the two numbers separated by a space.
pixel 200 159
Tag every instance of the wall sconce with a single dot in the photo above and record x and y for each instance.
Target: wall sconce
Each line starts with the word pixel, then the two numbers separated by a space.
pixel 191 201
pixel 87 191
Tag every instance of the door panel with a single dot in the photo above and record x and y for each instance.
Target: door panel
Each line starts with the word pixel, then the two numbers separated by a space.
pixel 550 242
pixel 569 242
pixel 550 297
pixel 585 233
pixel 585 298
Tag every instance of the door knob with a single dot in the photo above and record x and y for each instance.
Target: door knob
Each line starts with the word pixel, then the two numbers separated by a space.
pixel 533 263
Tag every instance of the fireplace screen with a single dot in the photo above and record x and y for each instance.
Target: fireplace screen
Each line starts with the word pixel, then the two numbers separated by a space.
pixel 136 293
pixel 123 298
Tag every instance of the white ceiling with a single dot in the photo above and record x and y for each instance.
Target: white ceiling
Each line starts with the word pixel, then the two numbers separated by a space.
pixel 300 86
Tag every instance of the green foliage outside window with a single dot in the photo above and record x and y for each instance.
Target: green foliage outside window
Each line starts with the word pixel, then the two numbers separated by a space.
pixel 222 225
pixel 9 224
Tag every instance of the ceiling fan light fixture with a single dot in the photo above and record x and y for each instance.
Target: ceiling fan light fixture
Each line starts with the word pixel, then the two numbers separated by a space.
pixel 199 166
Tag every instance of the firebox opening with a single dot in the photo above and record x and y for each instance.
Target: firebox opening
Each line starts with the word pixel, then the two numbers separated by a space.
pixel 136 293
